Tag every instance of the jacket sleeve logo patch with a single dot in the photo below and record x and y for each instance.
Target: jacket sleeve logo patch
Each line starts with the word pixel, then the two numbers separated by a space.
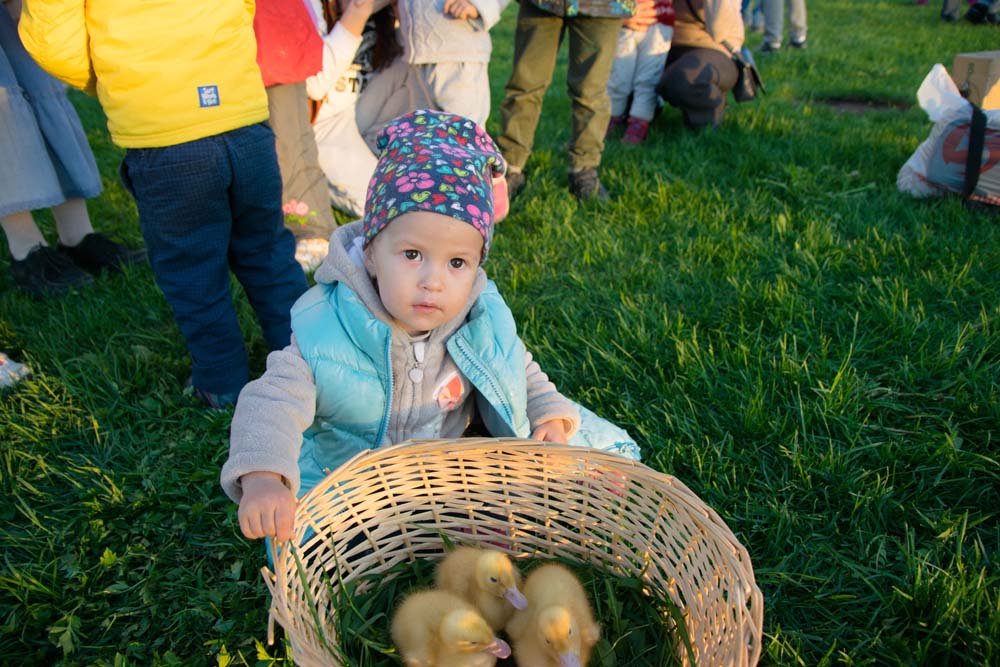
pixel 208 96
pixel 450 392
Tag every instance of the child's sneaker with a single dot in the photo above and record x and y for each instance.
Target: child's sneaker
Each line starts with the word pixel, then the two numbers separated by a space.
pixel 614 124
pixel 636 131
pixel 214 402
pixel 11 372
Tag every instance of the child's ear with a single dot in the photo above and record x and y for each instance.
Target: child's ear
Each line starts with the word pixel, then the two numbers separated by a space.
pixel 369 262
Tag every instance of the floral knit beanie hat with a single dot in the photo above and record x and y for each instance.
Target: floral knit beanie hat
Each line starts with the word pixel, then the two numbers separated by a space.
pixel 438 162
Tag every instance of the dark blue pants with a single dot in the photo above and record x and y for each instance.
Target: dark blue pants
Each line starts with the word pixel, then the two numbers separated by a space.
pixel 207 207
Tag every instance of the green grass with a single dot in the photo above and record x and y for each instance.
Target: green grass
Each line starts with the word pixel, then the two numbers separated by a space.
pixel 816 355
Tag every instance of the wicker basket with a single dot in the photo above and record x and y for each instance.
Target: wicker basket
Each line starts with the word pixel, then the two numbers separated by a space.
pixel 393 504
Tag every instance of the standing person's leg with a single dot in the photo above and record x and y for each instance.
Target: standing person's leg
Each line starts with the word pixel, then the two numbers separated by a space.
pixel 182 193
pixel 460 88
pixel 536 45
pixel 302 179
pixel 652 56
pixel 950 9
pixel 797 23
pixel 591 54
pixel 622 77
pixel 261 249
pixel 774 24
pixel 22 234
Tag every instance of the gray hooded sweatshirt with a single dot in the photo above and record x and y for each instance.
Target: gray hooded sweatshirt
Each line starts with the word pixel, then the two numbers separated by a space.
pixel 430 396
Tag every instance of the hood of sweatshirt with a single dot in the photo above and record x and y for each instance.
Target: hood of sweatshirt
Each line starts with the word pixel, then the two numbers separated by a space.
pixel 429 393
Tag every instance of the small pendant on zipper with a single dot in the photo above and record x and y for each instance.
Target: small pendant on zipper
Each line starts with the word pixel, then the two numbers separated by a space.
pixel 417 374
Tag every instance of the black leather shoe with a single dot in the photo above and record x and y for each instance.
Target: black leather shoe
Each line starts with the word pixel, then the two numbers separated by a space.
pixel 97 253
pixel 47 272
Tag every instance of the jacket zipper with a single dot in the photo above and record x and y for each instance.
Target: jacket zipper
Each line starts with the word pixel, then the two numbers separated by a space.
pixel 388 393
pixel 508 412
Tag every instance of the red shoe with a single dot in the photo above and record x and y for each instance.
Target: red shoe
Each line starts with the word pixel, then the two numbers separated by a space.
pixel 636 131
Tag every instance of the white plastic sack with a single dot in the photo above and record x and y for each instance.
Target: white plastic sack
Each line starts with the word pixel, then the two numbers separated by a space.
pixel 937 167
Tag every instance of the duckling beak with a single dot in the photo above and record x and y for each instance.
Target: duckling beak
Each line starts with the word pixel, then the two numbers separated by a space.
pixel 501 649
pixel 568 659
pixel 516 598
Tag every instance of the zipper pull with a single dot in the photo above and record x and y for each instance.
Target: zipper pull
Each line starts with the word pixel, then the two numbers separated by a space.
pixel 417 374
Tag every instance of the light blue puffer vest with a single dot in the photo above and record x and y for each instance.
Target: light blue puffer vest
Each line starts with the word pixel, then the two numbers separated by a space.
pixel 348 351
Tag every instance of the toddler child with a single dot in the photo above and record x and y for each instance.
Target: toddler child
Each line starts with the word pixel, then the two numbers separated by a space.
pixel 402 337
pixel 638 64
pixel 179 84
pixel 448 43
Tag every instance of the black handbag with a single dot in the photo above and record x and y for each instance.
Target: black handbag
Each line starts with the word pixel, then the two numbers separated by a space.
pixel 748 80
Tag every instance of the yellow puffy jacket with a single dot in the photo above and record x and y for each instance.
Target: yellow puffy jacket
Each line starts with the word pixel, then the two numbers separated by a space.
pixel 165 71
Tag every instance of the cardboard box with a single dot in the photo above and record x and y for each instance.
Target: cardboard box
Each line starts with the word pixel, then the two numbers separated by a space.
pixel 977 76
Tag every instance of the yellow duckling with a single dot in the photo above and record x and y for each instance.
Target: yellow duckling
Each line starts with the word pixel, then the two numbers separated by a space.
pixel 434 628
pixel 487 579
pixel 558 628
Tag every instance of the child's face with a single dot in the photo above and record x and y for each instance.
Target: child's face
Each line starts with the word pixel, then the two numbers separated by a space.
pixel 425 265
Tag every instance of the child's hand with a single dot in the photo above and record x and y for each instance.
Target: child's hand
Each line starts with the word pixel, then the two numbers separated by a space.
pixel 355 13
pixel 551 431
pixel 267 508
pixel 460 9
pixel 645 16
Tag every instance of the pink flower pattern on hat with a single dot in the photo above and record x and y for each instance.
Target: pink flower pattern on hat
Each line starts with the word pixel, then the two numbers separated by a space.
pixel 438 162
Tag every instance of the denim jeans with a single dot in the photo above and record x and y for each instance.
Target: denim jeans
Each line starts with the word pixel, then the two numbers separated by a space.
pixel 207 207
pixel 537 38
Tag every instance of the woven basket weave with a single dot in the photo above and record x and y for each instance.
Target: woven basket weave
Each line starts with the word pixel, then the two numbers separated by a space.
pixel 393 504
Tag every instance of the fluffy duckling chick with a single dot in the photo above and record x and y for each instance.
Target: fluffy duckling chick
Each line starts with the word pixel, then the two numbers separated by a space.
pixel 434 628
pixel 558 628
pixel 487 579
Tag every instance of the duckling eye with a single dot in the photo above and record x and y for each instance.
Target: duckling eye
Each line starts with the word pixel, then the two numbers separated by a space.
pixel 493 579
pixel 571 632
